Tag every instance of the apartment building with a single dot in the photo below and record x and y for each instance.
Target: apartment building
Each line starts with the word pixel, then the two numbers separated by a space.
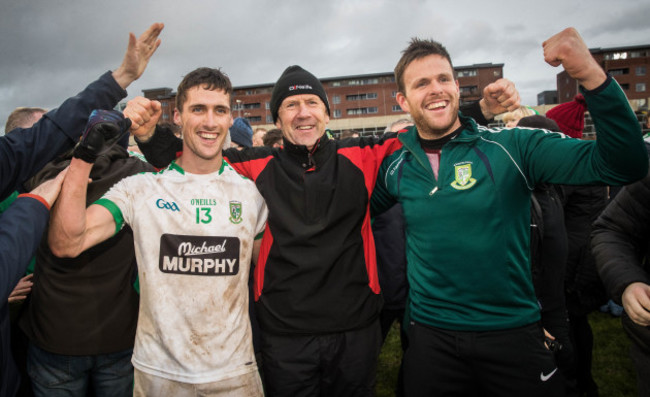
pixel 365 102
pixel 630 66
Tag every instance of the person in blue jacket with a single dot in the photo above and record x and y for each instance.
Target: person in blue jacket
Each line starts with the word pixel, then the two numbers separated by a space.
pixel 25 151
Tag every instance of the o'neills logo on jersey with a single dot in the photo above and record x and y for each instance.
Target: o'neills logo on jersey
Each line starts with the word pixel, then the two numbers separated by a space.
pixel 199 255
pixel 300 87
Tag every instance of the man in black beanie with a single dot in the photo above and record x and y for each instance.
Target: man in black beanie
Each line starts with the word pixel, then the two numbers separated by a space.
pixel 316 286
pixel 294 81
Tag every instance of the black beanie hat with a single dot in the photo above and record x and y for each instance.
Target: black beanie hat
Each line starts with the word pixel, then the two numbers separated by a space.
pixel 296 81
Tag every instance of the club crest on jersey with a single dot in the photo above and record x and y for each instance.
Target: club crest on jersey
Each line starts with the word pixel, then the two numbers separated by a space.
pixel 235 212
pixel 463 173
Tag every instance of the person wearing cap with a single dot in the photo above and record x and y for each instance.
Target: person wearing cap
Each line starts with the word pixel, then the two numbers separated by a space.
pixel 316 285
pixel 570 116
pixel 241 134
pixel 466 191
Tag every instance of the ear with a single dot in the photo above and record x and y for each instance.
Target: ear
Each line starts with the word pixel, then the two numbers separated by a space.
pixel 403 103
pixel 177 117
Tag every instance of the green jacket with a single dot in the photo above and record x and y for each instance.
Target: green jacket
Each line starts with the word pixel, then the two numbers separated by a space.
pixel 467 233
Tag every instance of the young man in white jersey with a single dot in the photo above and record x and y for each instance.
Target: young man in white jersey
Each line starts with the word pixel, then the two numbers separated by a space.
pixel 196 225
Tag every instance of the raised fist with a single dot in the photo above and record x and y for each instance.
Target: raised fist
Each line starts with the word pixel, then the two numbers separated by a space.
pixel 104 128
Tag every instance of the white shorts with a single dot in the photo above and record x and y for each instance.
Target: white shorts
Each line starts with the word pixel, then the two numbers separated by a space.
pixel 247 385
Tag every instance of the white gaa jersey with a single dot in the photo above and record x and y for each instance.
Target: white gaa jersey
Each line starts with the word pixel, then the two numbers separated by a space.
pixel 193 243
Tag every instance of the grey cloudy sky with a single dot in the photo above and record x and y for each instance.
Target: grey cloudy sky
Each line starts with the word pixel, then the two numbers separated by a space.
pixel 50 50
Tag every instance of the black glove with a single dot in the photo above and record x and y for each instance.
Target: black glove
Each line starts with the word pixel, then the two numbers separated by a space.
pixel 104 128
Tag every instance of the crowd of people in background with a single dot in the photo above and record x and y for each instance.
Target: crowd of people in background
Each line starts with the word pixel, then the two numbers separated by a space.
pixel 209 257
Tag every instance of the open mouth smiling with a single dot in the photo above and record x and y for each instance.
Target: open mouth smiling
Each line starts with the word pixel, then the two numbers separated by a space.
pixel 436 105
pixel 208 135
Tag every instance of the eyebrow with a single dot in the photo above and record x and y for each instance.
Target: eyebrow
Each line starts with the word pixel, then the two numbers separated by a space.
pixel 421 80
pixel 203 105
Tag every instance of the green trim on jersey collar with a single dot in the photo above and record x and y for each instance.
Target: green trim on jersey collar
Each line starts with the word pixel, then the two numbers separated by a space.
pixel 176 167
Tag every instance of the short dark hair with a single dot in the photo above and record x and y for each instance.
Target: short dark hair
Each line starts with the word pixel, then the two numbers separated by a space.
pixel 22 118
pixel 348 133
pixel 208 78
pixel 417 49
pixel 272 137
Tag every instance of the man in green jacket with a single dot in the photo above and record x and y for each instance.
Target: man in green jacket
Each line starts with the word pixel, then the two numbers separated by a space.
pixel 465 191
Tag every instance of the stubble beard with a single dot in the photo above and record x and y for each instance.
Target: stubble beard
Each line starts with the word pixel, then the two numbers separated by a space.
pixel 427 131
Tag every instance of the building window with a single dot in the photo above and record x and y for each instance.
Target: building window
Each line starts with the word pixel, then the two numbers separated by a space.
pixel 497 73
pixel 254 119
pixel 618 72
pixel 467 73
pixel 393 94
pixel 640 70
pixel 625 86
pixel 165 116
pixel 354 82
pixel 363 82
pixel 267 105
pixel 468 90
pixel 337 113
pixel 256 105
pixel 397 108
pixel 640 87
pixel 615 56
pixel 638 54
pixel 336 99
pixel 358 111
pixel 361 97
pixel 269 119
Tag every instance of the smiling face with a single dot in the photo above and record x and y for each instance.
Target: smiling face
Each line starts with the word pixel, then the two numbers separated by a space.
pixel 204 120
pixel 431 95
pixel 302 119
